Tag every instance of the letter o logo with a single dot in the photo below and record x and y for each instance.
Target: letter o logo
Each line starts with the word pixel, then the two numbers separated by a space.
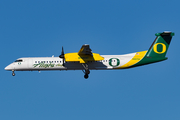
pixel 111 61
pixel 163 48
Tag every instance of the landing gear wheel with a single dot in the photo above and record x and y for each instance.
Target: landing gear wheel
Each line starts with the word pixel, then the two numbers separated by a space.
pixel 13 74
pixel 86 76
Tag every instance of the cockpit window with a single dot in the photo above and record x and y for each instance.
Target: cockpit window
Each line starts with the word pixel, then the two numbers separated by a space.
pixel 18 60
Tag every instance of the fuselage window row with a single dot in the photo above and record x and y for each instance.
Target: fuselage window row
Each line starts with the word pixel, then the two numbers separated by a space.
pixel 47 61
pixel 60 61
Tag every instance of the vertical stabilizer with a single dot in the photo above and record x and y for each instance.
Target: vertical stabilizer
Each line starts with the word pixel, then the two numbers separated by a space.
pixel 160 45
pixel 158 49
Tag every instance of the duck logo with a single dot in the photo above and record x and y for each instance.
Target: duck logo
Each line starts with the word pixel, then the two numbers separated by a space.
pixel 159 49
pixel 114 62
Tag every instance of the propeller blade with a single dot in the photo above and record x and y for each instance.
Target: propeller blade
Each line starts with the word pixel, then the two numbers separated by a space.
pixel 62 53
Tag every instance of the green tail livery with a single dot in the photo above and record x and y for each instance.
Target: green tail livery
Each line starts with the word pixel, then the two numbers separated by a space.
pixel 157 51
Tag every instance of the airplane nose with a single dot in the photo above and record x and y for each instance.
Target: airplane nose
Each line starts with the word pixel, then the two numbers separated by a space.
pixel 8 67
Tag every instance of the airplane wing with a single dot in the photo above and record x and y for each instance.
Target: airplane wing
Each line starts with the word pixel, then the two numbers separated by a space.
pixel 85 50
pixel 83 56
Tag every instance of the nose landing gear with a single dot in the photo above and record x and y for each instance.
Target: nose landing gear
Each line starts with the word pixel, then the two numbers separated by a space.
pixel 13 74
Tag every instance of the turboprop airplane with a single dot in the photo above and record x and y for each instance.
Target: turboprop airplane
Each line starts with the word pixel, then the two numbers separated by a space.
pixel 85 60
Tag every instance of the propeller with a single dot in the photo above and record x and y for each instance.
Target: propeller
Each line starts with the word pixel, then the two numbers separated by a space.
pixel 62 55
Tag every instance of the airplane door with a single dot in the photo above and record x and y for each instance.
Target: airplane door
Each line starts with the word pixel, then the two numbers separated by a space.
pixel 30 63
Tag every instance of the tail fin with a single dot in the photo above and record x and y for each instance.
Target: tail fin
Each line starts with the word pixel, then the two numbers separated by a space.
pixel 160 45
pixel 158 49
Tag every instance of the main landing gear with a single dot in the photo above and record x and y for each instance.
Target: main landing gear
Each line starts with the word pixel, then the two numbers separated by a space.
pixel 13 74
pixel 86 70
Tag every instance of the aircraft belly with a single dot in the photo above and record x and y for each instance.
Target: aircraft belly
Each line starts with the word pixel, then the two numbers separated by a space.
pixel 91 66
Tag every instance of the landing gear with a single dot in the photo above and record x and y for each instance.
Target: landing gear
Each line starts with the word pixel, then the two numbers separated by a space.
pixel 13 74
pixel 86 70
pixel 86 76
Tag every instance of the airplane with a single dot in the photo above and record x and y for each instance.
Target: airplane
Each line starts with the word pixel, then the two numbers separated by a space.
pixel 86 60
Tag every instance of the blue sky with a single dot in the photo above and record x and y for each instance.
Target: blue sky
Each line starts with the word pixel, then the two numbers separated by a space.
pixel 39 28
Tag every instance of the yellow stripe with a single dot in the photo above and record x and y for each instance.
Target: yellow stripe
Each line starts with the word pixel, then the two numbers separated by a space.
pixel 139 56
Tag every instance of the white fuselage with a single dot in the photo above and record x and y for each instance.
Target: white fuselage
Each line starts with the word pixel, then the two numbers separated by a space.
pixel 56 63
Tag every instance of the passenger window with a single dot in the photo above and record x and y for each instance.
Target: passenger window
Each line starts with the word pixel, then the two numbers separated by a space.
pixel 38 61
